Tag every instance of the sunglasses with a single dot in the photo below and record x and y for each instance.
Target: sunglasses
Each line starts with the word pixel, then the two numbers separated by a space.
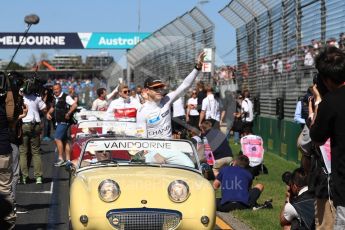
pixel 193 92
pixel 157 89
pixel 125 91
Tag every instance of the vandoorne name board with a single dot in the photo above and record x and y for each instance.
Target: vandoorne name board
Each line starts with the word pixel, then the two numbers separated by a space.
pixel 71 40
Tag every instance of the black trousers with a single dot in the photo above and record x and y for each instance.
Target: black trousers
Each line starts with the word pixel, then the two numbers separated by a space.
pixel 248 125
pixel 178 124
pixel 194 121
pixel 254 195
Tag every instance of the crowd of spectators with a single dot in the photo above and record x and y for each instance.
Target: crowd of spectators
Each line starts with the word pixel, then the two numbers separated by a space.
pixel 85 89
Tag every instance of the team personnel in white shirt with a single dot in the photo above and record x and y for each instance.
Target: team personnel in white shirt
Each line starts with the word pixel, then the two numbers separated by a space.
pixel 31 137
pixel 192 115
pixel 154 118
pixel 139 95
pixel 123 108
pixel 101 103
pixel 211 109
pixel 247 112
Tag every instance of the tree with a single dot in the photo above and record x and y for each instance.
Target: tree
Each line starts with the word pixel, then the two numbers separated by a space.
pixel 15 66
pixel 44 56
pixel 32 61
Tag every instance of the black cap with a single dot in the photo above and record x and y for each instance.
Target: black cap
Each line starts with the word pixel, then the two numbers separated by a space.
pixel 151 82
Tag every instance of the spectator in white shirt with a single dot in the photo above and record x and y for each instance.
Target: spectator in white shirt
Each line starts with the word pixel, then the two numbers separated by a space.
pixel 309 57
pixel 291 64
pixel 277 65
pixel 247 112
pixel 211 109
pixel 264 68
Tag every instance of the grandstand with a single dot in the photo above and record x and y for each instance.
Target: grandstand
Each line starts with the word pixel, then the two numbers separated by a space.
pixel 274 39
pixel 170 52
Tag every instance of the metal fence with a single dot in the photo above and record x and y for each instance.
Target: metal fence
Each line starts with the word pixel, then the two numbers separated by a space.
pixel 170 52
pixel 276 43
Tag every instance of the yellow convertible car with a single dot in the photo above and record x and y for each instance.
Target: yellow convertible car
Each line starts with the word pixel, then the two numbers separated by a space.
pixel 129 183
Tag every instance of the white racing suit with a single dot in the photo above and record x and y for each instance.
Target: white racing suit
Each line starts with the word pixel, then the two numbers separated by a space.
pixel 154 119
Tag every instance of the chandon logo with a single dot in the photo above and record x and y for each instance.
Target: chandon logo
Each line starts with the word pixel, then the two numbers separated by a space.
pixel 159 131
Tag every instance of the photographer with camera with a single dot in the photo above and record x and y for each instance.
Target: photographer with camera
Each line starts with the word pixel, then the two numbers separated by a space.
pixel 12 110
pixel 298 211
pixel 31 133
pixel 328 121
pixel 317 164
pixel 6 172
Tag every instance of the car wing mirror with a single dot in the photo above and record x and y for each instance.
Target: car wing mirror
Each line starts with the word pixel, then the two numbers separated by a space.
pixel 207 171
pixel 70 167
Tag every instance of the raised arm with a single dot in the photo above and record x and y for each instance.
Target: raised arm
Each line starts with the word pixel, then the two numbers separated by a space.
pixel 110 95
pixel 188 81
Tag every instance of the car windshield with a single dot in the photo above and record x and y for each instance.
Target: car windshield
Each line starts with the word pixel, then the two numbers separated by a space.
pixel 88 115
pixel 178 153
pixel 89 128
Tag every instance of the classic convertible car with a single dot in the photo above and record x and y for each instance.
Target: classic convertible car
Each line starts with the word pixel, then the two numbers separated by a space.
pixel 129 183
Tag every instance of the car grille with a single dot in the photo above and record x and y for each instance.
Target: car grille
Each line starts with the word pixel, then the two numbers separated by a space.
pixel 144 218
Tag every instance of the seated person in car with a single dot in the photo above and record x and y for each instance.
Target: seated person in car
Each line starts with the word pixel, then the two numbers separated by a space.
pixel 168 157
pixel 97 157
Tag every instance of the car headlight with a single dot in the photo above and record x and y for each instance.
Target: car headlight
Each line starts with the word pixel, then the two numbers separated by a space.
pixel 108 190
pixel 178 191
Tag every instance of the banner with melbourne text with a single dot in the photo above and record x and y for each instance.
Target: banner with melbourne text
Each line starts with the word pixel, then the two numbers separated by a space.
pixel 86 40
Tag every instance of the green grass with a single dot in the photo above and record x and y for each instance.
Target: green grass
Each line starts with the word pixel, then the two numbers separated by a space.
pixel 274 189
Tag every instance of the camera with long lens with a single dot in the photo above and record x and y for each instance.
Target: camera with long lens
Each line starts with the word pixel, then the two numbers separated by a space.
pixel 14 80
pixel 286 177
pixel 2 80
pixel 33 86
pixel 2 83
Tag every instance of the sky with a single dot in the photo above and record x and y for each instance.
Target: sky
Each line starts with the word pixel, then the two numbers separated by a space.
pixel 109 16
